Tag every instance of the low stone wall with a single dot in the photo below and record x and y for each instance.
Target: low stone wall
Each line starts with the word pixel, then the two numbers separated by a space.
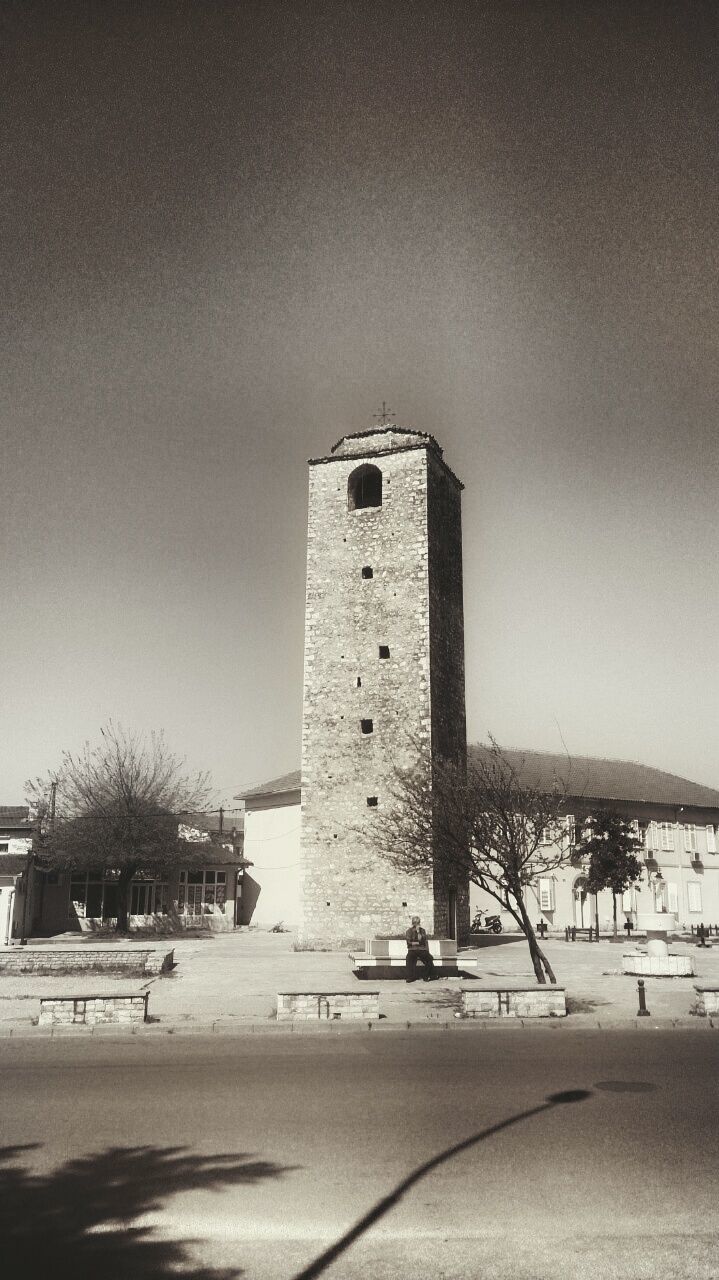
pixel 670 966
pixel 345 1006
pixel 68 1011
pixel 45 962
pixel 707 1000
pixel 526 1002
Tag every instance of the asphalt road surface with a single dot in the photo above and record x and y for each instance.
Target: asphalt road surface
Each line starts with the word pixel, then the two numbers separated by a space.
pixel 385 1154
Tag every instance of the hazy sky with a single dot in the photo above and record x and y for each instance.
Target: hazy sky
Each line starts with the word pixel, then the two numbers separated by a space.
pixel 229 230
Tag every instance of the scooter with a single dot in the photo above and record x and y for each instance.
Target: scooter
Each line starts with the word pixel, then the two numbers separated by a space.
pixel 492 924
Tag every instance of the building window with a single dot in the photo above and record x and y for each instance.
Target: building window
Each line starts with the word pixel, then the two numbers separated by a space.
pixel 690 837
pixel 368 571
pixel 364 487
pixel 571 829
pixel 694 895
pixel 666 835
pixel 547 836
pixel 672 897
pixel 384 651
pixel 86 895
pixel 711 838
pixel 367 726
pixel 200 892
pixel 4 846
pixel 546 894
pixel 149 898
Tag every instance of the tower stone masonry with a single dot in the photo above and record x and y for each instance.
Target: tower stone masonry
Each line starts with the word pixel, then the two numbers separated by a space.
pixel 384 676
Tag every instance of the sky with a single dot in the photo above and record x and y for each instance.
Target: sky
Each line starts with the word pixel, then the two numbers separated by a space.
pixel 228 231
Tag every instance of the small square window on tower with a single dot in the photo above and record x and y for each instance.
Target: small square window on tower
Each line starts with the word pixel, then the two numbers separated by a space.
pixel 371 802
pixel 366 726
pixel 384 651
pixel 367 571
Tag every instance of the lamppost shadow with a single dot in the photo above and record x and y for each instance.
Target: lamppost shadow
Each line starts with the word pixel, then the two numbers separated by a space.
pixel 383 1206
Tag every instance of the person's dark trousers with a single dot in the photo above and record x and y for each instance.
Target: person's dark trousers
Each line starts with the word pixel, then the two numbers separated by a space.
pixel 419 953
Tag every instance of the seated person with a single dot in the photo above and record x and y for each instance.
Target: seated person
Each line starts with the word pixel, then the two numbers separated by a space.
pixel 417 949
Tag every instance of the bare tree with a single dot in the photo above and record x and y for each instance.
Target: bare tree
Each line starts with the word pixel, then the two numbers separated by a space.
pixel 485 823
pixel 118 807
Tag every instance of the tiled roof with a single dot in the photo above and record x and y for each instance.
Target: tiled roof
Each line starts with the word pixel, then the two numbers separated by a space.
pixel 276 787
pixel 586 777
pixel 593 778
pixel 14 813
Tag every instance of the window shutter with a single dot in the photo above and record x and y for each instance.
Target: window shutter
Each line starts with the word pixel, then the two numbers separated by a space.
pixel 546 894
pixel 628 900
pixel 667 837
pixel 672 897
pixel 571 828
pixel 690 838
pixel 694 896
pixel 711 838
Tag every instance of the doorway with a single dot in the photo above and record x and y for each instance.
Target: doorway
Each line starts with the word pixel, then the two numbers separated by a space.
pixel 582 911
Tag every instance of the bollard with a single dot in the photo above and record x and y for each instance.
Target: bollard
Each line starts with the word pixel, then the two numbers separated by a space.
pixel 566 933
pixel 643 1011
pixel 574 933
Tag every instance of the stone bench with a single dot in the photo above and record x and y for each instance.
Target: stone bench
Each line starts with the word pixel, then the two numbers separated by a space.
pixel 513 998
pixel 93 1010
pixel 51 962
pixel 385 956
pixel 328 1006
pixel 707 1000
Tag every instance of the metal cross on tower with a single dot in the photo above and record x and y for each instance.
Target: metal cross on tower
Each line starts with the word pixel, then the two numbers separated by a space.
pixel 384 415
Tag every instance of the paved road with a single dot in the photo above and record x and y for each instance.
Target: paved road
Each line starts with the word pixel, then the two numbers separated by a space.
pixel 254 1155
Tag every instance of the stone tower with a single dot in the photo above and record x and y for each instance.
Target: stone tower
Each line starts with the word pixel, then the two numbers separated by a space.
pixel 384 669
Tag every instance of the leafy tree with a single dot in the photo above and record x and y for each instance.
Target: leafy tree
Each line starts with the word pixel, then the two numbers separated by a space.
pixel 119 806
pixel 484 823
pixel 609 847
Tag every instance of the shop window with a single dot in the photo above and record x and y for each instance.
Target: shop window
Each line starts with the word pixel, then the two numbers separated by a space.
pixel 202 891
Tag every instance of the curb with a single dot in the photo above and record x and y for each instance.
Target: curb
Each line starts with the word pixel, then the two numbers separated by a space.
pixel 219 1028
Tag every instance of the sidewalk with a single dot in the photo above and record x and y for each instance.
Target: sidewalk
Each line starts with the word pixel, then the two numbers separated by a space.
pixel 229 982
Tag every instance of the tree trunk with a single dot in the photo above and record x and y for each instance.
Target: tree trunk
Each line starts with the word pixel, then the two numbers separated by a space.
pixel 127 874
pixel 540 962
pixel 614 910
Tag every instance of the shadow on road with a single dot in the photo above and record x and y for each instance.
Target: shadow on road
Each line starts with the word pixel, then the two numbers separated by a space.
pixel 79 1219
pixel 383 1206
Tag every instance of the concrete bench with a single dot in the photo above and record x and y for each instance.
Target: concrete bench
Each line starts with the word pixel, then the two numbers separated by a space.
pixel 93 1010
pixel 513 998
pixel 387 958
pixel 328 1006
pixel 707 1000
